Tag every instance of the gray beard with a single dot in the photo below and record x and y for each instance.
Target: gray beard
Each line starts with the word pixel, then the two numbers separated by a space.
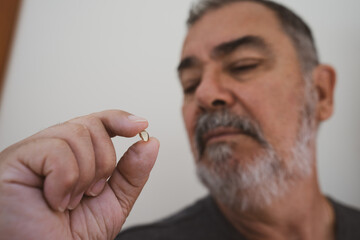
pixel 255 184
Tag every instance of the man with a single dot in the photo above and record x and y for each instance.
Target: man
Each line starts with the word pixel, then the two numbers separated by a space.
pixel 254 96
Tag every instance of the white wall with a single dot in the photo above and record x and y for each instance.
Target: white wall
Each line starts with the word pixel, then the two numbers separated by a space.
pixel 71 58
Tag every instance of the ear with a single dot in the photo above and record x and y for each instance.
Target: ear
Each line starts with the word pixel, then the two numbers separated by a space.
pixel 324 80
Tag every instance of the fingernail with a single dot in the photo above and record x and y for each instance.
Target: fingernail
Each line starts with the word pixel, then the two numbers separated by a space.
pixel 97 188
pixel 64 203
pixel 75 201
pixel 136 118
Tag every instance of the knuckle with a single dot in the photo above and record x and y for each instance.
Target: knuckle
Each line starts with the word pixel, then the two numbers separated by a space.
pixel 58 144
pixel 70 177
pixel 78 130
pixel 92 120
pixel 132 152
pixel 107 165
pixel 60 149
pixel 86 177
pixel 81 130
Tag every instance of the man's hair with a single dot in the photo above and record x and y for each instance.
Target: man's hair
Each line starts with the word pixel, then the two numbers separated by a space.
pixel 298 31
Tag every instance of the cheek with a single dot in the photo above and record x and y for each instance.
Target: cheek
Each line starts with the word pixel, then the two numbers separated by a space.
pixel 189 116
pixel 188 113
pixel 278 111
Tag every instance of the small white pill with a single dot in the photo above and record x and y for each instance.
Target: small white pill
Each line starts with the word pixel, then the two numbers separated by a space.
pixel 144 135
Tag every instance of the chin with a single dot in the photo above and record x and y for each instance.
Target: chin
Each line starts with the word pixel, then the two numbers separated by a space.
pixel 254 182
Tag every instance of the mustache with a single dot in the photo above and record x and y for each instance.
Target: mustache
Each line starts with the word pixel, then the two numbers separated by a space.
pixel 224 118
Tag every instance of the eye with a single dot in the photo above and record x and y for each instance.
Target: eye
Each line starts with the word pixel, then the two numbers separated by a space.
pixel 243 68
pixel 190 88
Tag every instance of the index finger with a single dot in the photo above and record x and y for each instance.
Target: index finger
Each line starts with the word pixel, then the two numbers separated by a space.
pixel 121 123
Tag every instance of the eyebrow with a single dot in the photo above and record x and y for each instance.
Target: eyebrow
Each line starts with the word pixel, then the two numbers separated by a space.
pixel 247 41
pixel 227 48
pixel 187 62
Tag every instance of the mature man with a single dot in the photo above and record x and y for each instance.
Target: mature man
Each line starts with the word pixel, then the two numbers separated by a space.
pixel 254 96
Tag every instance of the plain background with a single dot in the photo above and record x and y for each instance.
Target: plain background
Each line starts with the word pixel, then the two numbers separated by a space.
pixel 72 58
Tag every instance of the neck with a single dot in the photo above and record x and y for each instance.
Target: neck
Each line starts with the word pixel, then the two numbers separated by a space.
pixel 301 213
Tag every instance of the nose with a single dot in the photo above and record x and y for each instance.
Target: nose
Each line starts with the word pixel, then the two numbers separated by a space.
pixel 214 91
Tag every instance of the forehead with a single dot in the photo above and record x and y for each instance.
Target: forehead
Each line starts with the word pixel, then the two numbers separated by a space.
pixel 230 22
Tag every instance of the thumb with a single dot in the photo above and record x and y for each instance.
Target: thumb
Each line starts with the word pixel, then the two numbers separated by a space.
pixel 132 172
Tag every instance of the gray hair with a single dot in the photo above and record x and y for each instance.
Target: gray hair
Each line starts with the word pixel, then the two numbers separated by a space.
pixel 298 31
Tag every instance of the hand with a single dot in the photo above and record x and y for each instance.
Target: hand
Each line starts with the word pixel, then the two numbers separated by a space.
pixel 53 185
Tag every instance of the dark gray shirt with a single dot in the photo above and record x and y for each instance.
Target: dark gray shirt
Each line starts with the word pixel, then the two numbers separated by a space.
pixel 203 220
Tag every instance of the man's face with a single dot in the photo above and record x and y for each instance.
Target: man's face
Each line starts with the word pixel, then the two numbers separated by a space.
pixel 243 89
pixel 238 58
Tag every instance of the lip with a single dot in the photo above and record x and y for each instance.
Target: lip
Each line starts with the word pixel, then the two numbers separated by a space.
pixel 220 134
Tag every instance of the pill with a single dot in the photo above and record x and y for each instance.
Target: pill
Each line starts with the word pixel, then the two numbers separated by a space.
pixel 144 135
